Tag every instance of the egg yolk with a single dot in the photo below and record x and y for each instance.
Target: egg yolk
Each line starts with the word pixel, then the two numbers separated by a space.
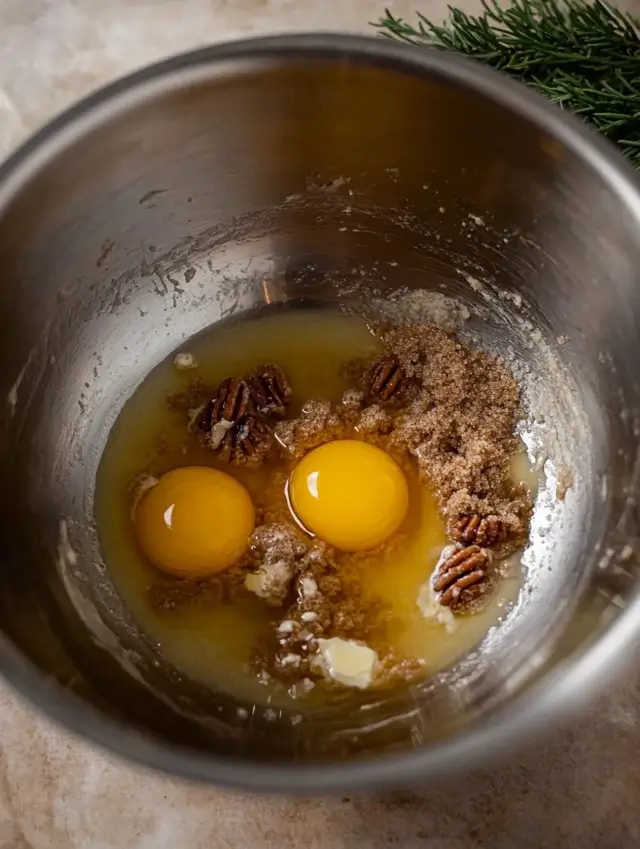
pixel 194 522
pixel 350 494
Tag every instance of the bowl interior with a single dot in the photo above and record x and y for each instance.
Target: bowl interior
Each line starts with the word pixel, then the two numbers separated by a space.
pixel 339 177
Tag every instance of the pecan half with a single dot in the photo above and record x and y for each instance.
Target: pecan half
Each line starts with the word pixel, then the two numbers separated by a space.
pixel 461 577
pixel 485 531
pixel 231 401
pixel 385 379
pixel 224 411
pixel 269 389
pixel 250 441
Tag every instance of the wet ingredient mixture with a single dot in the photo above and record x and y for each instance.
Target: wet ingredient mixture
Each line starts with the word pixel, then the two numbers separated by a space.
pixel 300 504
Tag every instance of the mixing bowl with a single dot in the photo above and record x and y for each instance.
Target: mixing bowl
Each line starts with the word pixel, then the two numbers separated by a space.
pixel 324 170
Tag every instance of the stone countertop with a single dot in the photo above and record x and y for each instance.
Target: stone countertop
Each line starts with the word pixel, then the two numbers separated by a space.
pixel 581 788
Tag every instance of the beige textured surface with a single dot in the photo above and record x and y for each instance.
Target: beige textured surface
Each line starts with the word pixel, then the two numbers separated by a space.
pixel 582 788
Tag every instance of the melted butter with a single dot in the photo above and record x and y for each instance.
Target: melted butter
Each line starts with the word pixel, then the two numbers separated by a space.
pixel 399 576
pixel 523 472
pixel 214 645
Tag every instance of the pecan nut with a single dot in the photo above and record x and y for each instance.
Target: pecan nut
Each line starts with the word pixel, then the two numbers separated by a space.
pixel 270 390
pixel 485 531
pixel 250 441
pixel 385 379
pixel 231 401
pixel 224 411
pixel 461 577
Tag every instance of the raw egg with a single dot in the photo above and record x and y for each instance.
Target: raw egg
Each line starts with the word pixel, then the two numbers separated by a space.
pixel 194 522
pixel 350 494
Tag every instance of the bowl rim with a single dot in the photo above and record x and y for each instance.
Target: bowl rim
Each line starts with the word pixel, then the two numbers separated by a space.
pixel 557 693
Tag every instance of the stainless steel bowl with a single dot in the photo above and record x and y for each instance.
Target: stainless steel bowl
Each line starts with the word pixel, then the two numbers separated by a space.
pixel 340 169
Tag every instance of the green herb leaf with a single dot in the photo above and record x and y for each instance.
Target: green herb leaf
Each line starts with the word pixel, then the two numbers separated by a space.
pixel 583 56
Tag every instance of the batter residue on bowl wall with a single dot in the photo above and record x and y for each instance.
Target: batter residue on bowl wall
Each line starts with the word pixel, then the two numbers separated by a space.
pixel 384 505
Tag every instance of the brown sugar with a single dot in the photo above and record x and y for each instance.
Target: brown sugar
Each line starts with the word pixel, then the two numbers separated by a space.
pixel 277 549
pixel 461 427
pixel 167 593
pixel 326 600
pixel 317 424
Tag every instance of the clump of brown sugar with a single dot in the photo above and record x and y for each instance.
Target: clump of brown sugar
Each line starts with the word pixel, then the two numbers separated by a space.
pixel 167 593
pixel 319 595
pixel 277 549
pixel 317 424
pixel 460 427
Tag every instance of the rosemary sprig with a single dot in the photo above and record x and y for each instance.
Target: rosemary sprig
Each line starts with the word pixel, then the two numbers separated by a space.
pixel 583 56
